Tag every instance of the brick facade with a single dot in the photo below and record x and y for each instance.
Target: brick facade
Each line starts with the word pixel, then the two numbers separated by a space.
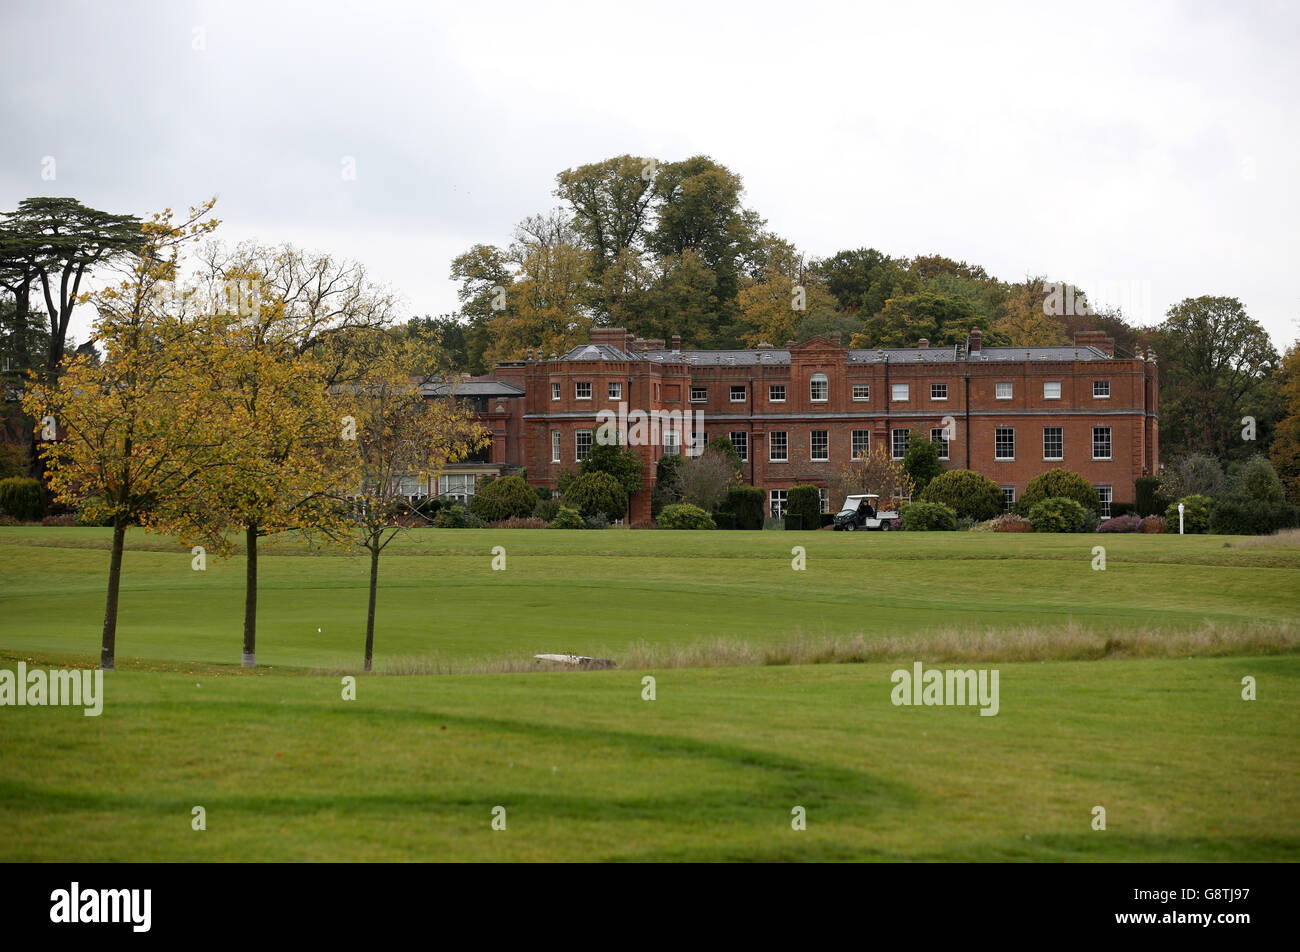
pixel 819 393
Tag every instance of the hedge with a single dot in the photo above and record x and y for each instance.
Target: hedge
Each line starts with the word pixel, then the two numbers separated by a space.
pixel 1060 484
pixel 22 498
pixel 805 503
pixel 1150 502
pixel 969 494
pixel 929 517
pixel 747 504
pixel 685 516
pixel 1239 514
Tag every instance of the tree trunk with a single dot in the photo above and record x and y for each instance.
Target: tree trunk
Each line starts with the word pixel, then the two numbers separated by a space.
pixel 370 615
pixel 249 659
pixel 108 643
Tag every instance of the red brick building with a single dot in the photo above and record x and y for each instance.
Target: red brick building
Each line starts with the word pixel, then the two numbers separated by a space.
pixel 798 413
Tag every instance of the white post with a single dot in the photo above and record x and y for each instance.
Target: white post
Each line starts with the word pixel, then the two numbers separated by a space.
pixel 1180 518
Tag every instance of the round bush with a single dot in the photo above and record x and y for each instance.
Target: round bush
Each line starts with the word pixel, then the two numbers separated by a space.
pixel 567 519
pixel 1058 514
pixel 929 517
pixel 685 516
pixel 1196 514
pixel 22 498
pixel 507 498
pixel 969 494
pixel 1060 484
pixel 590 493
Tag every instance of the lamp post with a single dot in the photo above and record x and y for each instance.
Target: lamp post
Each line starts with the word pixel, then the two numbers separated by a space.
pixel 1180 518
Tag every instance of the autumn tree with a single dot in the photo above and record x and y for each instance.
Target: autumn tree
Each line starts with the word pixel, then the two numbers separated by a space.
pixel 400 431
pixel 874 471
pixel 129 429
pixel 1285 452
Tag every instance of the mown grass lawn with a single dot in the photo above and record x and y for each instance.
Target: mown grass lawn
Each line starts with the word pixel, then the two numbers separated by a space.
pixel 596 593
pixel 585 768
pixel 710 769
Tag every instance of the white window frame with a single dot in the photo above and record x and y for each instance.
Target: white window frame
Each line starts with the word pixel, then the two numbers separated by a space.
pixel 578 444
pixel 944 448
pixel 744 435
pixel 824 496
pixel 812 447
pixel 998 393
pixel 1100 396
pixel 699 394
pixel 616 390
pixel 672 443
pixel 1048 395
pixel 894 390
pixel 1054 459
pixel 997 449
pixel 932 391
pixel 866 392
pixel 1008 497
pixel 1107 496
pixel 577 389
pixel 785 446
pixel 819 382
pixel 556 450
pixel 893 442
pixel 555 391
pixel 776 504
pixel 1110 443
pixel 853 443
pixel 458 486
pixel 732 391
pixel 772 388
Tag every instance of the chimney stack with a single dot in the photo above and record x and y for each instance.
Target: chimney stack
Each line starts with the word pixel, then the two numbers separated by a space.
pixel 677 343
pixel 923 344
pixel 975 342
pixel 835 338
pixel 1097 339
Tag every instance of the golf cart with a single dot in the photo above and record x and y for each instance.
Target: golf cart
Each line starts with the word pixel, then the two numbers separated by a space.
pixel 861 512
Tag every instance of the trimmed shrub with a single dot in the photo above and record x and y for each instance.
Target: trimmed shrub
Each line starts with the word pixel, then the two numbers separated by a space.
pixel 530 522
pixel 616 460
pixel 746 504
pixel 1196 514
pixel 724 520
pixel 590 493
pixel 1060 484
pixel 1058 514
pixel 921 461
pixel 506 498
pixel 685 516
pixel 966 493
pixel 929 517
pixel 1153 524
pixel 804 503
pixel 1239 514
pixel 1150 502
pixel 456 516
pixel 1125 523
pixel 1123 509
pixel 22 498
pixel 546 509
pixel 567 519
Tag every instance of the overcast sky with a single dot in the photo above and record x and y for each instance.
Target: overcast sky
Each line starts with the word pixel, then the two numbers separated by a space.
pixel 1146 151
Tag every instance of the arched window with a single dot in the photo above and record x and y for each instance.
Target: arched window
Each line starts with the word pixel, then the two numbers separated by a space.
pixel 819 387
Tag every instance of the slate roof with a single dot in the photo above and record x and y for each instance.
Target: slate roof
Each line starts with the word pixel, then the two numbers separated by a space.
pixel 474 388
pixel 780 356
